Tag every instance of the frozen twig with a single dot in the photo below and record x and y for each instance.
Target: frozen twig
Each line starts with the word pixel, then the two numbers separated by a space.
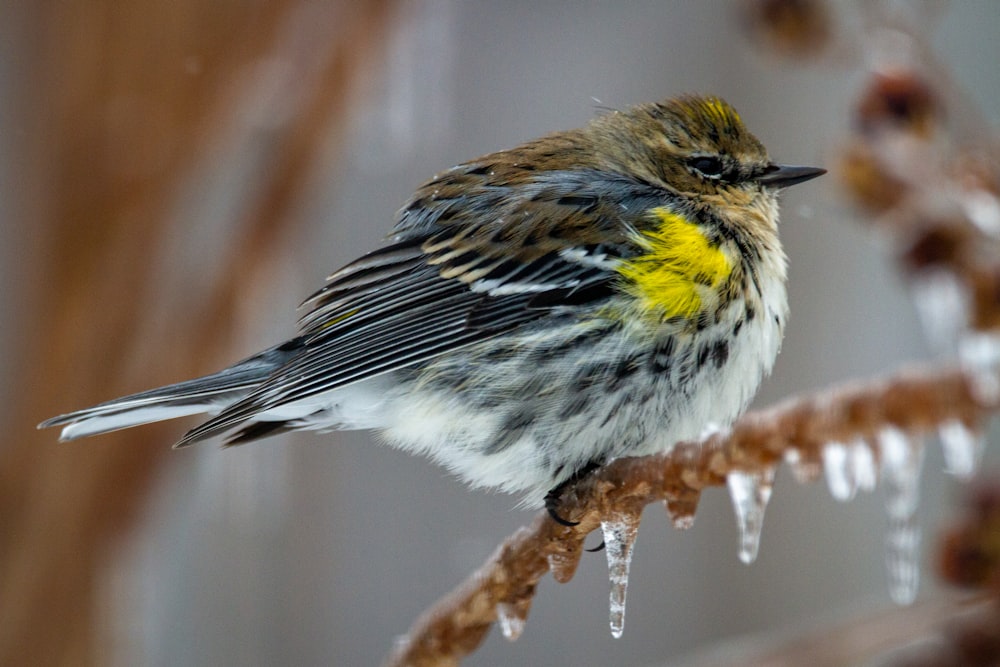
pixel 913 401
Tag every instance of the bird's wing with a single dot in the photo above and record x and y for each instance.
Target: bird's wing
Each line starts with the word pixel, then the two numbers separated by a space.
pixel 452 280
pixel 424 296
pixel 416 315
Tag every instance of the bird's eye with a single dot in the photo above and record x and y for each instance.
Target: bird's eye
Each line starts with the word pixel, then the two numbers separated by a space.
pixel 708 166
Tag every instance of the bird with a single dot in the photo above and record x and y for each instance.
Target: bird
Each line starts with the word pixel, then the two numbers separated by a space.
pixel 535 313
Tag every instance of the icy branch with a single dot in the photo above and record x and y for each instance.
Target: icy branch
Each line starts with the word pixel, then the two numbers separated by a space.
pixel 911 403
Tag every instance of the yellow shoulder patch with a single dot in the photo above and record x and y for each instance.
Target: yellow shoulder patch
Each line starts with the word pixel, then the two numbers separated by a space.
pixel 678 265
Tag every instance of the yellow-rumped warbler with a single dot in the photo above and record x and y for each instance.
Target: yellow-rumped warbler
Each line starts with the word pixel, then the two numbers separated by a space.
pixel 596 293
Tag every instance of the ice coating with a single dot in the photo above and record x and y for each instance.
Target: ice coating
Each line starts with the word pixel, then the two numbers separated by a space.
pixel 563 566
pixel 750 492
pixel 681 509
pixel 804 469
pixel 511 619
pixel 619 539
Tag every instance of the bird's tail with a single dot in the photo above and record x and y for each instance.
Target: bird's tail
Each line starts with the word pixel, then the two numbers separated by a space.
pixel 210 393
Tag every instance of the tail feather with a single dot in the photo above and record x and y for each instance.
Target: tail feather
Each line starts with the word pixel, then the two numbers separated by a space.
pixel 210 393
pixel 90 422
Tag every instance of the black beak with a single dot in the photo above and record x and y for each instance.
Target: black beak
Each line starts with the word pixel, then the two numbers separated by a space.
pixel 783 175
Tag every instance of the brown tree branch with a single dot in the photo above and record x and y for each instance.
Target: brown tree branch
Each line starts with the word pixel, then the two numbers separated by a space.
pixel 914 401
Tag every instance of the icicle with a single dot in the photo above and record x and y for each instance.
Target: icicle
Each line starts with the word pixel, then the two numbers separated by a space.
pixel 804 469
pixel 980 355
pixel 962 447
pixel 838 466
pixel 750 492
pixel 902 559
pixel 901 459
pixel 943 305
pixel 512 620
pixel 848 468
pixel 865 468
pixel 619 538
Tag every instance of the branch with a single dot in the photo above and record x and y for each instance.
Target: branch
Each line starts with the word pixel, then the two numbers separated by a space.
pixel 913 402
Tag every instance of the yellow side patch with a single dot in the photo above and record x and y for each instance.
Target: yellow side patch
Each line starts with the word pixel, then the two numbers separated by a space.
pixel 678 265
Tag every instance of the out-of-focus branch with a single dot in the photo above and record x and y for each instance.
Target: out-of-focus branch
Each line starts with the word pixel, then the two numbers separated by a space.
pixel 914 402
pixel 132 94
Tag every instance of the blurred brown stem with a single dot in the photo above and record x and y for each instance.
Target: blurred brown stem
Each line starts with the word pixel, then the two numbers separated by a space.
pixel 123 103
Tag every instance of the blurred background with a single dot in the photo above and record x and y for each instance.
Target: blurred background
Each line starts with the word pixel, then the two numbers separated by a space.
pixel 176 177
